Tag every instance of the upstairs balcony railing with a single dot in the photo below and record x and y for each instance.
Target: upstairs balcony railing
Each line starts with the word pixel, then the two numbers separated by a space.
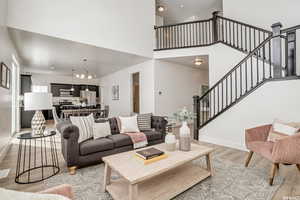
pixel 238 35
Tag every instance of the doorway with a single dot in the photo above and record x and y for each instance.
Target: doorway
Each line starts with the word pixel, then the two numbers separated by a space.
pixel 136 92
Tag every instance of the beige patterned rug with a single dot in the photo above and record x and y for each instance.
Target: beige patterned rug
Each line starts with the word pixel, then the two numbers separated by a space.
pixel 230 182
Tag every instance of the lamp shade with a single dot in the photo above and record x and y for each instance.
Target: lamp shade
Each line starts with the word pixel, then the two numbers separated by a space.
pixel 38 101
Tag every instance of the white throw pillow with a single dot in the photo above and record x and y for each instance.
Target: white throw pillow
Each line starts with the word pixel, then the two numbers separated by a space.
pixel 283 128
pixel 101 130
pixel 129 124
pixel 85 125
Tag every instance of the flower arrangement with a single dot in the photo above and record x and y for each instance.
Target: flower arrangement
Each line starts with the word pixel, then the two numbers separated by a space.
pixel 183 115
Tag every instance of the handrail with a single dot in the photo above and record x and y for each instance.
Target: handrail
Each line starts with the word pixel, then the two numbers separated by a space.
pixel 239 35
pixel 290 29
pixel 251 72
pixel 241 62
pixel 245 24
pixel 183 23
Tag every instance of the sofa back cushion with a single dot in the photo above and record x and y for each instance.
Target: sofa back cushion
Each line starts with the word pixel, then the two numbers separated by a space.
pixel 114 126
pixel 144 121
pixel 85 125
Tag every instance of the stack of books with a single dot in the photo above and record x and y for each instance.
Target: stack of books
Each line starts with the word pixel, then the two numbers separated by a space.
pixel 150 155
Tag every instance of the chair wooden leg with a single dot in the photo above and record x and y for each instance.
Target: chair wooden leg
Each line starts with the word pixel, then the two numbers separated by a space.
pixel 275 166
pixel 298 166
pixel 72 170
pixel 249 158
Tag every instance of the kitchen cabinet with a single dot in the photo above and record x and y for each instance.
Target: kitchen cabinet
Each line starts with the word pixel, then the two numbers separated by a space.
pixel 25 84
pixel 55 89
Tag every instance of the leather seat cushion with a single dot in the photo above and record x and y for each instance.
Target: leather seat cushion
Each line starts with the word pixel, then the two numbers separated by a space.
pixel 120 140
pixel 94 146
pixel 153 135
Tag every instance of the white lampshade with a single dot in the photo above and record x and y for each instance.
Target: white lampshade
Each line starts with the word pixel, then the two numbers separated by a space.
pixel 38 101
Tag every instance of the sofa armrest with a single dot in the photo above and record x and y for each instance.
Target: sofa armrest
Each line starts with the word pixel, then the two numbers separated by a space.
pixel 69 142
pixel 287 150
pixel 159 124
pixel 257 134
pixel 63 190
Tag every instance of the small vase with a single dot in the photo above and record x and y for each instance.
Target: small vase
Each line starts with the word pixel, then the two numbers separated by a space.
pixel 184 137
pixel 170 142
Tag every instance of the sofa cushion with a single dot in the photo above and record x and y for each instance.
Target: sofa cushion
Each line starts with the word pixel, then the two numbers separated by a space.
pixel 120 140
pixel 153 135
pixel 94 146
pixel 114 126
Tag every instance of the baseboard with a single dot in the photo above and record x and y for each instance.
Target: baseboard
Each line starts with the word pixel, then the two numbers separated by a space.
pixel 5 149
pixel 221 142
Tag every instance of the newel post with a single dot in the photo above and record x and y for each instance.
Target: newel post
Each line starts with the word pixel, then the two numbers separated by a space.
pixel 277 50
pixel 196 116
pixel 215 26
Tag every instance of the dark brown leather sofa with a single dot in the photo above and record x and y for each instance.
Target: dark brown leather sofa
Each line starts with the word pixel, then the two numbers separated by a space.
pixel 91 151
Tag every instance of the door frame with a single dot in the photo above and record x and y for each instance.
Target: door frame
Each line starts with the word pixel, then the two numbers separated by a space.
pixel 131 91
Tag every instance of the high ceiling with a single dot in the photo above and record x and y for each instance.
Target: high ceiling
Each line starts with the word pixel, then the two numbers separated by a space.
pixel 189 61
pixel 187 10
pixel 49 55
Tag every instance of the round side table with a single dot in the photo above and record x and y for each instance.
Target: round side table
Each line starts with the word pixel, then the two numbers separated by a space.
pixel 37 158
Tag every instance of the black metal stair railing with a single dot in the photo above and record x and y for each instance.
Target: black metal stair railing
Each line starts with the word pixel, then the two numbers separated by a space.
pixel 184 35
pixel 240 81
pixel 238 35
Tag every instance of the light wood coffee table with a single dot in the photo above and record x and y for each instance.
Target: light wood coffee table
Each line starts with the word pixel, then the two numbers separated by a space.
pixel 161 180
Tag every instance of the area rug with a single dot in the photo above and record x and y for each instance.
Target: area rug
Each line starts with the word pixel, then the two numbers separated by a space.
pixel 230 182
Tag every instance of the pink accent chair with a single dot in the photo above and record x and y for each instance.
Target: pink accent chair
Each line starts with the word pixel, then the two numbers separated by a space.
pixel 63 190
pixel 283 151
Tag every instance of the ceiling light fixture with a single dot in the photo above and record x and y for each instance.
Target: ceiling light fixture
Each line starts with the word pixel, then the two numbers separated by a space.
pixel 161 9
pixel 77 76
pixel 198 61
pixel 181 6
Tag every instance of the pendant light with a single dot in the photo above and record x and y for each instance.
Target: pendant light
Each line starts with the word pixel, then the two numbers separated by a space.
pixel 72 88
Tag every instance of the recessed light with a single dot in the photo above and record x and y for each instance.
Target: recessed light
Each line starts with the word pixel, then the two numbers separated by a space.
pixel 198 61
pixel 181 6
pixel 161 9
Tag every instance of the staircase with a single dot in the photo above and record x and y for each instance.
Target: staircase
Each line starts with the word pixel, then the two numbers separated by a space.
pixel 267 58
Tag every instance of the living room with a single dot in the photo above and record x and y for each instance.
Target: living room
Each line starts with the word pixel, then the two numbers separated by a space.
pixel 149 100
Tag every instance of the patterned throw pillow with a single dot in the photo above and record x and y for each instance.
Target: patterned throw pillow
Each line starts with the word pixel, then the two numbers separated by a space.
pixel 85 125
pixel 280 130
pixel 144 122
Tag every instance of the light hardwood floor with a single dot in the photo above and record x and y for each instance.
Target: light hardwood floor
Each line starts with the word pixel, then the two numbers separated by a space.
pixel 290 187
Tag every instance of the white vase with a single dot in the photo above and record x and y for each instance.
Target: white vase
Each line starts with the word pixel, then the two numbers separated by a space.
pixel 184 137
pixel 170 141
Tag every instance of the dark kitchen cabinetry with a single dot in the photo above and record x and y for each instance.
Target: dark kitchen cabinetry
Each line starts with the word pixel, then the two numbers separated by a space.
pixel 26 116
pixel 56 87
pixel 25 84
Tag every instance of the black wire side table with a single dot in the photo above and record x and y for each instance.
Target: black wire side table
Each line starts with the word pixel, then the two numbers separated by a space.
pixel 37 158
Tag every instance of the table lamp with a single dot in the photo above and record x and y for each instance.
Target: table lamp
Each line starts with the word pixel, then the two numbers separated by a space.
pixel 38 101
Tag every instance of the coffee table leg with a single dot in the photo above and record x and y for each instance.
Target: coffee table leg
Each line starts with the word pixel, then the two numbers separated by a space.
pixel 208 163
pixel 133 192
pixel 107 175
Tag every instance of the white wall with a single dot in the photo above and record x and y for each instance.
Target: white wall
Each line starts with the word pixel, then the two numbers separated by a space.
pixel 6 51
pixel 123 106
pixel 178 84
pixel 221 58
pixel 119 25
pixel 259 108
pixel 265 13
